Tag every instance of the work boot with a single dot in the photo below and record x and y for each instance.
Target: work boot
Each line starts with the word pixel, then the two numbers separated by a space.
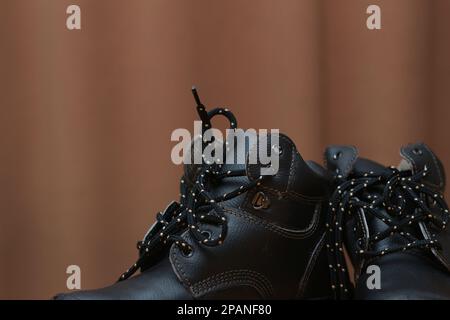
pixel 235 234
pixel 393 224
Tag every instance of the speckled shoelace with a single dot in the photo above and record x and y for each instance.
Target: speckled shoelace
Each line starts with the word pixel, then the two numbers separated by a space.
pixel 197 205
pixel 400 189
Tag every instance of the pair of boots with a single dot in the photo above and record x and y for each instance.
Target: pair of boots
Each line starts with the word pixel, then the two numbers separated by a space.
pixel 294 235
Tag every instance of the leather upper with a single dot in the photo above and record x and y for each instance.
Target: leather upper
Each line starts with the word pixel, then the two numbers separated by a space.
pixel 409 274
pixel 272 251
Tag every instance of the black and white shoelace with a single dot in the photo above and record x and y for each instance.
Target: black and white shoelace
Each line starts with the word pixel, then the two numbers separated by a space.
pixel 197 205
pixel 401 189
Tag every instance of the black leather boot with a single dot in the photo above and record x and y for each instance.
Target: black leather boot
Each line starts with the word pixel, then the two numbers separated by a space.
pixel 235 235
pixel 393 224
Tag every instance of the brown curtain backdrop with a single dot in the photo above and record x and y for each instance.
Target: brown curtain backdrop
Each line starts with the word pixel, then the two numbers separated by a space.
pixel 86 116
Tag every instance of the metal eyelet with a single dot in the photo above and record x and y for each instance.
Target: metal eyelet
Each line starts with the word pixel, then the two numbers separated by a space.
pixel 260 201
pixel 337 155
pixel 206 234
pixel 277 149
pixel 433 203
pixel 187 252
pixel 417 151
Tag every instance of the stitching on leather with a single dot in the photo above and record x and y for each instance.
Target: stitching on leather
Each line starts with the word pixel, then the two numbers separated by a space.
pixel 412 163
pixel 179 268
pixel 441 180
pixel 362 224
pixel 237 276
pixel 408 158
pixel 292 167
pixel 435 252
pixel 310 266
pixel 292 195
pixel 240 277
pixel 286 233
pixel 351 162
pixel 294 234
pixel 292 171
pixel 290 234
pixel 228 283
pixel 305 197
pixel 366 236
pixel 438 168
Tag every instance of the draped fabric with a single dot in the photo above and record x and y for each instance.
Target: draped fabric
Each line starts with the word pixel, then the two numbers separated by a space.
pixel 86 115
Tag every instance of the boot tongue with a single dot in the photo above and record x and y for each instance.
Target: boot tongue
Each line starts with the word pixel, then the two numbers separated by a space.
pixel 417 157
pixel 345 162
pixel 374 224
pixel 285 171
pixel 340 159
pixel 234 159
pixel 362 166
